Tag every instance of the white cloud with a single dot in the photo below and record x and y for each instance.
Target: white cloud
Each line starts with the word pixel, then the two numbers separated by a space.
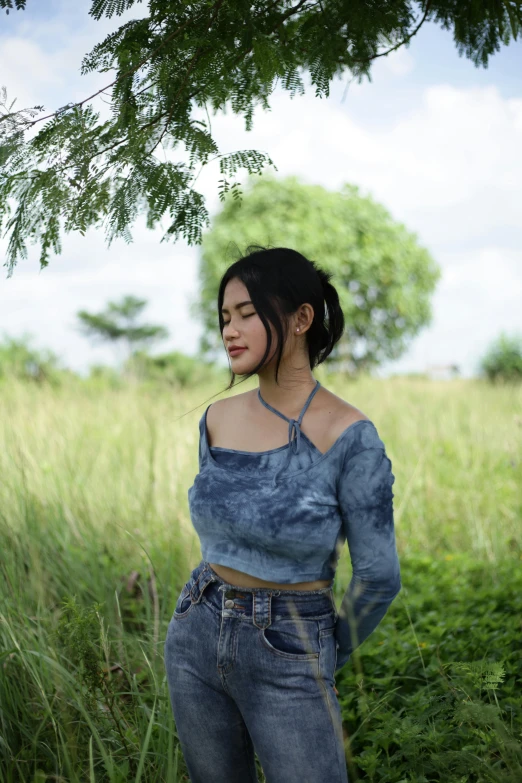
pixel 19 56
pixel 479 296
pixel 40 62
pixel 86 276
pixel 448 167
pixel 399 63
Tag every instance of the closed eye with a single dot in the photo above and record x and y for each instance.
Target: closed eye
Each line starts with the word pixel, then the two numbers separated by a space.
pixel 243 316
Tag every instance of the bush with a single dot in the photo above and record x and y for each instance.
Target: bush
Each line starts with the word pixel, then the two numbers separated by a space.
pixel 19 360
pixel 175 368
pixel 436 694
pixel 503 361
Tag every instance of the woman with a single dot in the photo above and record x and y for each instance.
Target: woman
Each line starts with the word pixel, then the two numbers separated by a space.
pixel 255 638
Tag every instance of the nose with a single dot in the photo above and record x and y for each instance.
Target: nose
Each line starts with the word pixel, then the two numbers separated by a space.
pixel 227 329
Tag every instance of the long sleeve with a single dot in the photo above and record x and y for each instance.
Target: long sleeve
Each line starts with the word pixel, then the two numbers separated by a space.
pixel 366 501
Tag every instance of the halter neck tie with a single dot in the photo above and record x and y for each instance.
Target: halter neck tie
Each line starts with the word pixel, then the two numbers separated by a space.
pixel 294 425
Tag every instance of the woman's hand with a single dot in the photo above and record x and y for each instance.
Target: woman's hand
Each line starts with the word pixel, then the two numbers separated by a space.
pixel 336 691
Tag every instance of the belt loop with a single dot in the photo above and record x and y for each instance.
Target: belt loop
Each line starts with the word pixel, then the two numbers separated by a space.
pixel 198 588
pixel 262 606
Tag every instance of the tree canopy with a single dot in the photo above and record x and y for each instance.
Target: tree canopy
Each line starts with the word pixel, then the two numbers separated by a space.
pixel 71 169
pixel 7 4
pixel 385 279
pixel 118 323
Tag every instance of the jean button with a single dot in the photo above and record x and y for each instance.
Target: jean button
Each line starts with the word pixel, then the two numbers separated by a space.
pixel 230 594
pixel 229 604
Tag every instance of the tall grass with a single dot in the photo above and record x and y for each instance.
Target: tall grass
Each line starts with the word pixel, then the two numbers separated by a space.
pixel 96 543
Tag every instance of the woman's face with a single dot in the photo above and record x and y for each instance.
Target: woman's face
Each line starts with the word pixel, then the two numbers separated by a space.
pixel 243 327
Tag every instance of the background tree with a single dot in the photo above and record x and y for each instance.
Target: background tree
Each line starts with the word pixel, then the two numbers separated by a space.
pixel 503 359
pixel 384 277
pixel 174 369
pixel 80 170
pixel 117 323
pixel 19 359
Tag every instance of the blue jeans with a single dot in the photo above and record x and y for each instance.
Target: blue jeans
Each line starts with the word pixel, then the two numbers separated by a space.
pixel 253 668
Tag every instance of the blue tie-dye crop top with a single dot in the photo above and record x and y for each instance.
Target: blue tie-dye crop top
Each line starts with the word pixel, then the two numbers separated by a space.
pixel 283 515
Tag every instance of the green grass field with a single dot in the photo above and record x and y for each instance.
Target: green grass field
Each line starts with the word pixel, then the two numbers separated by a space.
pixel 96 543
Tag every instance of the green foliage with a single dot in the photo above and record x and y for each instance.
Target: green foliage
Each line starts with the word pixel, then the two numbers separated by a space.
pixel 479 29
pixel 118 323
pixel 95 540
pixel 83 646
pixel 503 360
pixel 435 694
pixel 79 171
pixel 18 359
pixel 76 637
pixel 174 368
pixel 102 377
pixel 385 279
pixel 7 4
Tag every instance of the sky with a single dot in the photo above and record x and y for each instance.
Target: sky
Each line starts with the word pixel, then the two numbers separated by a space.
pixel 434 139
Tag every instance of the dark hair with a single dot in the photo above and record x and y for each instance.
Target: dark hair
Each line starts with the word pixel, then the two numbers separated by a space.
pixel 279 280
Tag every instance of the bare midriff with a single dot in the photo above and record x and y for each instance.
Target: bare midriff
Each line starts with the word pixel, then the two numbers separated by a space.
pixel 240 579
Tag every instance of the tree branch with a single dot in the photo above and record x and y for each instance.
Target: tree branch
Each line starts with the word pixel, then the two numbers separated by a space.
pixel 151 54
pixel 401 43
pixel 191 67
pixel 238 59
pixel 241 56
pixel 123 75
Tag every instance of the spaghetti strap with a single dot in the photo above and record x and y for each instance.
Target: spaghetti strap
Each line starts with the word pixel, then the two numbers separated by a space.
pixel 294 425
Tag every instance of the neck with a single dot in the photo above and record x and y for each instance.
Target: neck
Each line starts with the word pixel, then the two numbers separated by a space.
pixel 290 393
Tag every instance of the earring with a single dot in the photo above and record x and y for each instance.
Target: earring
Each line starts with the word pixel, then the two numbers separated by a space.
pixel 297 328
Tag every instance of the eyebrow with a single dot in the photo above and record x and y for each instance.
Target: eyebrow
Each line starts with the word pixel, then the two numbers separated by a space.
pixel 236 307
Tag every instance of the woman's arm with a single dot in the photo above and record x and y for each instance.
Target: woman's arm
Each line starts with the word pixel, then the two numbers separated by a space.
pixel 366 502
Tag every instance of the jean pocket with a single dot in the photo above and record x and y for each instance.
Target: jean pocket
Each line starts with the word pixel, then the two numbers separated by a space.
pixel 328 660
pixel 292 639
pixel 184 603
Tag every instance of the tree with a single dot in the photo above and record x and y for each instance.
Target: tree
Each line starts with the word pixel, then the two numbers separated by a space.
pixel 7 4
pixel 107 324
pixel 80 170
pixel 503 359
pixel 21 360
pixel 174 368
pixel 384 277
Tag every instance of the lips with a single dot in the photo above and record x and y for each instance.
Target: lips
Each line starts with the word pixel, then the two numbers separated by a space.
pixel 235 351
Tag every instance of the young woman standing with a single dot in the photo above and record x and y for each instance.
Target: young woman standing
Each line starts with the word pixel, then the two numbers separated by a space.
pixel 255 638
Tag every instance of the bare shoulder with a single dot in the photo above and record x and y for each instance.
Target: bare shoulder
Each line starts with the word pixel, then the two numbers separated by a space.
pixel 338 414
pixel 221 411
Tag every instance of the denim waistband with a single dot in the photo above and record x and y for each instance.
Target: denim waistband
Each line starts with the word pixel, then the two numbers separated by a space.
pixel 257 601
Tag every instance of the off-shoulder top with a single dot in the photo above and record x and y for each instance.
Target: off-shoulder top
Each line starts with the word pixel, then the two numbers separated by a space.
pixel 284 514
